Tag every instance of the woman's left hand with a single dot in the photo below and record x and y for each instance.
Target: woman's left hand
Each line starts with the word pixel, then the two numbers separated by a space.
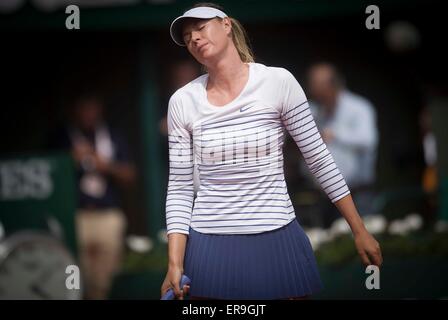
pixel 368 249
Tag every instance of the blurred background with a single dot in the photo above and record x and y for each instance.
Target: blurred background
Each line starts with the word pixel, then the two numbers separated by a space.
pixel 84 158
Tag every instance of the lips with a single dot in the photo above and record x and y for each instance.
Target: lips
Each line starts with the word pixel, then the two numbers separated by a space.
pixel 201 46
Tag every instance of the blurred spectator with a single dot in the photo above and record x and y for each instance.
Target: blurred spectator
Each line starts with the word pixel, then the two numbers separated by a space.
pixel 103 163
pixel 429 176
pixel 348 125
pixel 429 151
pixel 180 73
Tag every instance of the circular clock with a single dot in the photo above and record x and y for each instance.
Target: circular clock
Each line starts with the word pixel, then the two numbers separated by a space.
pixel 33 266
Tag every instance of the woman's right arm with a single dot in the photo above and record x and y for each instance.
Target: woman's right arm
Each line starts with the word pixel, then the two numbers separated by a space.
pixel 176 251
pixel 180 194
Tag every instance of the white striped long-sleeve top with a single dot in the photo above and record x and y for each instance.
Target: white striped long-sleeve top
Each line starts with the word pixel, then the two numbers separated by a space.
pixel 238 150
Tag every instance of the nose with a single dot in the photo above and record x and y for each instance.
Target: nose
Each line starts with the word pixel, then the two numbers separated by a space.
pixel 195 36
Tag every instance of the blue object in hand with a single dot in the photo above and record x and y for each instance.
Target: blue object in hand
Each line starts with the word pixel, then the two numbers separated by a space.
pixel 169 295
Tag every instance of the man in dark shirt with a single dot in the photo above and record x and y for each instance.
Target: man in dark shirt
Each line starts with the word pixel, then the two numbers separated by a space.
pixel 102 162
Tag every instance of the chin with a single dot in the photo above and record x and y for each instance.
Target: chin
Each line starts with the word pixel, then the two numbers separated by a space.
pixel 204 58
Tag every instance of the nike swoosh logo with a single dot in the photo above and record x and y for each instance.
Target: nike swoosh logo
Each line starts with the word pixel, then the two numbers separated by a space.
pixel 242 109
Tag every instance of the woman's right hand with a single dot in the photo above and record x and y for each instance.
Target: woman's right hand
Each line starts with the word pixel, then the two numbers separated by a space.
pixel 172 280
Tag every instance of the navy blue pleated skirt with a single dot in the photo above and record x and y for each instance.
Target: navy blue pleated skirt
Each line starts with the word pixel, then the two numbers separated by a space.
pixel 277 264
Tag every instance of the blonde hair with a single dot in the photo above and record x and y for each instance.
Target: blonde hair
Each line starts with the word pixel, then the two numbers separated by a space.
pixel 239 35
pixel 241 41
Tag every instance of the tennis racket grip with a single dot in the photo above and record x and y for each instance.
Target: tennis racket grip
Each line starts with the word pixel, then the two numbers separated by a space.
pixel 169 295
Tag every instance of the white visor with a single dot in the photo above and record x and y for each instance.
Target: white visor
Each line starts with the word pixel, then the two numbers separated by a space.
pixel 199 13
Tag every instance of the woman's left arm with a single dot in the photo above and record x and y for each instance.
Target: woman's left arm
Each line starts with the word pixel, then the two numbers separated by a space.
pixel 366 245
pixel 299 122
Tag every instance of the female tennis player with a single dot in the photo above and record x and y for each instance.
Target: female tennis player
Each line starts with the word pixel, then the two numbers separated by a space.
pixel 239 237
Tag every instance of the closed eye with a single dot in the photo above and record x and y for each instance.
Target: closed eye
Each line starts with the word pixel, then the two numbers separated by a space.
pixel 203 26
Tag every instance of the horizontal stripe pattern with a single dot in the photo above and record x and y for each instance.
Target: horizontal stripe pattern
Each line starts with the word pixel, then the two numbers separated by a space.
pixel 238 152
pixel 302 128
pixel 180 191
